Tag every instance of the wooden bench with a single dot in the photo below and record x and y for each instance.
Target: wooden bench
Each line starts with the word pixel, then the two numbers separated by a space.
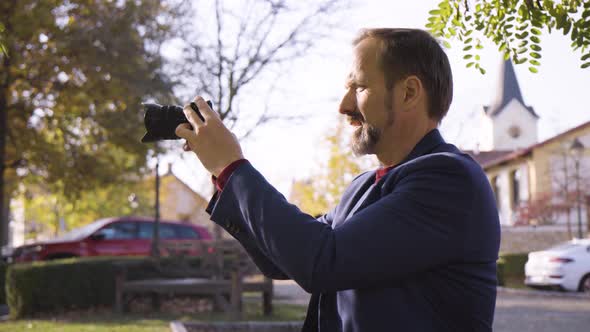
pixel 224 275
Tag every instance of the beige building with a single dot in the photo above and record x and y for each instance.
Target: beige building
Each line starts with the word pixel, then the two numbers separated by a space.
pixel 180 202
pixel 534 182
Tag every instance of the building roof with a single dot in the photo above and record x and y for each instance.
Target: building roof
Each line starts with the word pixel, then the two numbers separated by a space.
pixel 484 157
pixel 526 151
pixel 507 90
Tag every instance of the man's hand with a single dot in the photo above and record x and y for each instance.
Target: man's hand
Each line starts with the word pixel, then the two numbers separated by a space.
pixel 215 146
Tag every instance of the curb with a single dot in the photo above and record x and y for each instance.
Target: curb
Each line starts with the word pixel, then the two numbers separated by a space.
pixel 246 326
pixel 540 293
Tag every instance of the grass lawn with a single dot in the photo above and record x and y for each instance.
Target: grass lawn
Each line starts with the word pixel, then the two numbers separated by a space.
pixel 149 322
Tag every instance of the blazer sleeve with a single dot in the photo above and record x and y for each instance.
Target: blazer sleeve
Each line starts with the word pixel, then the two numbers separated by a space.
pixel 264 264
pixel 419 225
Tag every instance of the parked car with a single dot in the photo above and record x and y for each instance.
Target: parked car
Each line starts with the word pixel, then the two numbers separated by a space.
pixel 124 236
pixel 565 266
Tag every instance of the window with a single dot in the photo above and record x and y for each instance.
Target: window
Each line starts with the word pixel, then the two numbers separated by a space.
pixel 167 231
pixel 146 230
pixel 119 231
pixel 186 232
pixel 496 189
pixel 515 185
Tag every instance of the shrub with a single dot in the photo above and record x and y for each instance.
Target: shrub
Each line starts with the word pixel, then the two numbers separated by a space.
pixel 500 272
pixel 514 264
pixel 79 283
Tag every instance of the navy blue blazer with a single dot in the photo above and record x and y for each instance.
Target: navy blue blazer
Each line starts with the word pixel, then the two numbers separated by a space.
pixel 414 252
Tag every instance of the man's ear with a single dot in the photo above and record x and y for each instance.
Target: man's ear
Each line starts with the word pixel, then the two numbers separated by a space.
pixel 413 91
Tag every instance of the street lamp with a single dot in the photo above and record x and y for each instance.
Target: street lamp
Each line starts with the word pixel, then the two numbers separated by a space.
pixel 577 151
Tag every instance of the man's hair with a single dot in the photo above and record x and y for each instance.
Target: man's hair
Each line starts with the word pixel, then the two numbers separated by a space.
pixel 406 52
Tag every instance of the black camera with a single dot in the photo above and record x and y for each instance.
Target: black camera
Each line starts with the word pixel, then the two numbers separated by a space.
pixel 161 121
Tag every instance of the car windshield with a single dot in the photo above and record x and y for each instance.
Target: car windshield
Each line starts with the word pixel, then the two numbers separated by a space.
pixel 564 246
pixel 84 231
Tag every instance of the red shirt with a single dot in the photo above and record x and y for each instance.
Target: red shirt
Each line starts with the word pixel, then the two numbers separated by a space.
pixel 381 172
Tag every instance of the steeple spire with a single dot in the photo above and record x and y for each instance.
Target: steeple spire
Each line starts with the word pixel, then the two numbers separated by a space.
pixel 507 90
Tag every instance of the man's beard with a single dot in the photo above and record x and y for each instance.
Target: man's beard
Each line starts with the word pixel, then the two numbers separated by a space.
pixel 365 139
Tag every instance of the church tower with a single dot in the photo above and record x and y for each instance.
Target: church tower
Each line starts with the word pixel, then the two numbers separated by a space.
pixel 508 124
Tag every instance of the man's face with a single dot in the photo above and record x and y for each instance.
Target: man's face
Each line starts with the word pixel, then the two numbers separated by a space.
pixel 367 102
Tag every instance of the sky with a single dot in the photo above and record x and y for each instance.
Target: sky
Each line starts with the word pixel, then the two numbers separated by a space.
pixel 313 85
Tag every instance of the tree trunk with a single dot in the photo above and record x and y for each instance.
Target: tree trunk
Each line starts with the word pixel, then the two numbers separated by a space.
pixel 3 196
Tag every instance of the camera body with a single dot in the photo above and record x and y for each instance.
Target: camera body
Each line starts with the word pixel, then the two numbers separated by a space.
pixel 161 121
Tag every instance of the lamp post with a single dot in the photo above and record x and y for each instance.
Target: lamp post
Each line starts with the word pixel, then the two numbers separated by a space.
pixel 577 151
pixel 155 250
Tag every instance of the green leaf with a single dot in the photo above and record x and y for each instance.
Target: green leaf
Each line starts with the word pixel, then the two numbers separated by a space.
pixel 536 31
pixel 477 57
pixel 521 50
pixel 508 26
pixel 482 71
pixel 470 64
pixel 467 56
pixel 535 62
pixel 434 12
pixel 523 43
pixel 467 48
pixel 502 47
pixel 468 33
pixel 535 39
pixel 520 61
pixel 446 44
pixel 479 46
pixel 586 57
pixel 536 47
pixel 533 70
pixel 468 40
pixel 535 55
pixel 586 65
pixel 506 56
pixel 567 27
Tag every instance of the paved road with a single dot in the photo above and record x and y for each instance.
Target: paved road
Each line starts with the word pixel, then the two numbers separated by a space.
pixel 521 312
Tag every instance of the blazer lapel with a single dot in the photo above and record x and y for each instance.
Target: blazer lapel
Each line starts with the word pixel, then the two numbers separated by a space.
pixel 370 194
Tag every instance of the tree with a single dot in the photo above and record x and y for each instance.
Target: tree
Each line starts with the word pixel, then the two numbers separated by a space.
pixel 45 210
pixel 227 49
pixel 542 210
pixel 71 82
pixel 244 44
pixel 321 192
pixel 515 26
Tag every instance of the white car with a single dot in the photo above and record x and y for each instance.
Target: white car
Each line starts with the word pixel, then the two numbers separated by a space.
pixel 565 266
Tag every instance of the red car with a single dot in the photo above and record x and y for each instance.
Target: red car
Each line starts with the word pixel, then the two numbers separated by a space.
pixel 126 236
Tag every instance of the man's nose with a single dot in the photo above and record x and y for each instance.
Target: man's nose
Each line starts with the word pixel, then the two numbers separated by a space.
pixel 347 104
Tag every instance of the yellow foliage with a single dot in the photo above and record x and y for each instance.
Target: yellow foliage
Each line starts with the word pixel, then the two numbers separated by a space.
pixel 322 191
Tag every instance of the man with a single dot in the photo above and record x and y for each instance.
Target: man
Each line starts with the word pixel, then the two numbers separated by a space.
pixel 411 246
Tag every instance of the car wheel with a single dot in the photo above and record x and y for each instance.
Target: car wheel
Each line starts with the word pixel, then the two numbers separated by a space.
pixel 585 284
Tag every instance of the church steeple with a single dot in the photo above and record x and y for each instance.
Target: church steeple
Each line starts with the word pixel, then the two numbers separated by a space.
pixel 508 123
pixel 507 90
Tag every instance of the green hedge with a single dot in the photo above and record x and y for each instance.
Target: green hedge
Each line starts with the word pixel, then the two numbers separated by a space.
pixel 500 272
pixel 78 283
pixel 514 264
